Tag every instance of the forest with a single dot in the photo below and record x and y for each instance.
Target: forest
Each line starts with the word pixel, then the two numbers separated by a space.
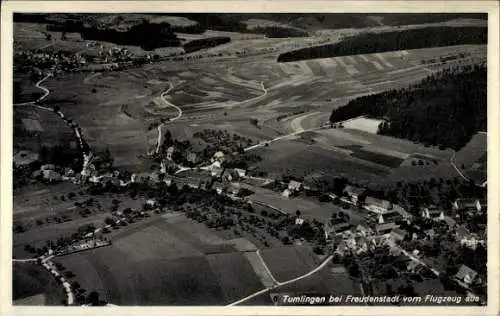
pixel 203 43
pixel 369 43
pixel 444 109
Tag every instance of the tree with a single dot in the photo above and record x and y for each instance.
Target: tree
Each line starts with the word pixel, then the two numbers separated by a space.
pixel 93 298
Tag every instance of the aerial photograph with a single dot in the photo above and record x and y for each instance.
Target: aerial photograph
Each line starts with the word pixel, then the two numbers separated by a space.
pixel 249 159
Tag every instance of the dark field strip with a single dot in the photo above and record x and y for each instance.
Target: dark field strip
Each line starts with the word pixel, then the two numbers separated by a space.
pixel 381 159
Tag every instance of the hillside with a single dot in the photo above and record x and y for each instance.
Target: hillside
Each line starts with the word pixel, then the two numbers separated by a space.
pixel 369 43
pixel 444 109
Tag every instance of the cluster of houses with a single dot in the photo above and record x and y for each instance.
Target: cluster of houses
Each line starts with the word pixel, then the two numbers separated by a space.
pixel 37 58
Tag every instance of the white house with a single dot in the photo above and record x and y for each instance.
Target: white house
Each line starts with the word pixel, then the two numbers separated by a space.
pixel 353 193
pixel 377 205
pixel 433 213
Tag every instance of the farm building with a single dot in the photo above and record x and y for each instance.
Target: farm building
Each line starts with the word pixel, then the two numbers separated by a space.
pixel 336 226
pixel 389 217
pixel 170 152
pixel 433 213
pixel 461 232
pixel 399 209
pixel 465 276
pixel 398 234
pixel 354 193
pixel 51 176
pixel 240 172
pixel 293 188
pixel 469 205
pixel 450 222
pixel 219 157
pixel 385 228
pixel 377 205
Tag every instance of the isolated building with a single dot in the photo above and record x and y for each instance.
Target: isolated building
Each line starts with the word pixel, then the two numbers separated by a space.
pixel 377 205
pixel 354 193
pixel 465 276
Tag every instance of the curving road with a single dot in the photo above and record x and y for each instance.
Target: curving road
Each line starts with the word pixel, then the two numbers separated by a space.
pixel 179 115
pixel 452 162
pixel 46 94
pixel 318 268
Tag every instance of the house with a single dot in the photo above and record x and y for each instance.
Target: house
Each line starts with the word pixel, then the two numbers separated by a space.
pixel 364 230
pixel 389 217
pixel 51 176
pixel 469 205
pixel 461 232
pixel 433 213
pixel 299 221
pixel 191 157
pixel 240 172
pixel 293 188
pixel 450 222
pixel 465 276
pixel 336 226
pixel 430 233
pixel 398 234
pixel 216 172
pixel 170 152
pixel 471 241
pixel 219 157
pixel 377 205
pixel 412 266
pixel 401 211
pixel 385 228
pixel 354 193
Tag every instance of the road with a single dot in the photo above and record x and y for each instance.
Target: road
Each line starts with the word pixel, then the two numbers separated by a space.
pixel 46 93
pixel 318 268
pixel 452 162
pixel 179 115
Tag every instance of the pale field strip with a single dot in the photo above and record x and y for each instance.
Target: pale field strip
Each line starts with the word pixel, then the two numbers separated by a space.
pixel 296 123
pixel 287 69
pixel 364 124
pixel 377 65
pixel 326 144
pixel 341 61
pixel 259 268
pixel 364 58
pixel 328 63
pixel 305 69
pixel 352 60
pixel 351 70
pixel 34 300
pixel 383 60
pixel 339 134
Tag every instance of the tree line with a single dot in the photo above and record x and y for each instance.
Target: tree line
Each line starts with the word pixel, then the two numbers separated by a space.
pixel 445 108
pixel 369 43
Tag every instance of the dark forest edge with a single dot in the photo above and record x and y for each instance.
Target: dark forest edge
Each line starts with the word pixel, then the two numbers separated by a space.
pixel 445 109
pixel 370 43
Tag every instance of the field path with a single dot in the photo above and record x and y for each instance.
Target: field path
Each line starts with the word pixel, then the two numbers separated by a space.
pixel 46 94
pixel 318 268
pixel 168 103
pixel 452 162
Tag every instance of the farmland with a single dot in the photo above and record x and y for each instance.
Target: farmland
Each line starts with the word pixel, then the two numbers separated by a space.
pixel 34 286
pixel 198 242
pixel 165 261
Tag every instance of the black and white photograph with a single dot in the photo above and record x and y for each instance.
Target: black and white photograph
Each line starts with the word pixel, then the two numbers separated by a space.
pixel 249 159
